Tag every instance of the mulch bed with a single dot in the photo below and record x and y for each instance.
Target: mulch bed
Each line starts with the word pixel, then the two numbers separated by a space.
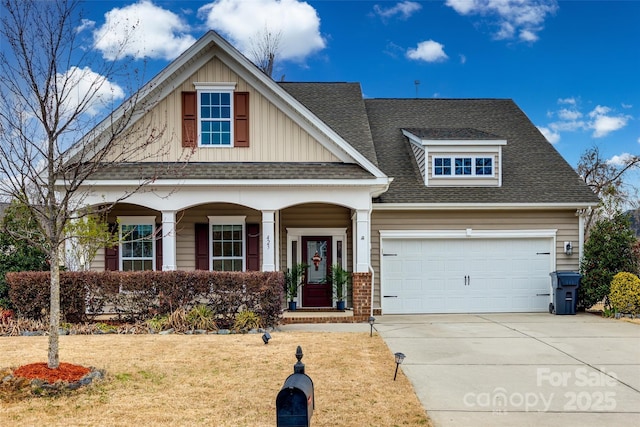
pixel 37 379
pixel 40 371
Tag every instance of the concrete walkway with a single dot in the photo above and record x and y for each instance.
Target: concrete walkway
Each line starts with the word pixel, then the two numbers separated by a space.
pixel 520 369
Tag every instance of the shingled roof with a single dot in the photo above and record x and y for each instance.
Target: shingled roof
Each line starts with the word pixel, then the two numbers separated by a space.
pixel 533 171
pixel 231 170
pixel 339 105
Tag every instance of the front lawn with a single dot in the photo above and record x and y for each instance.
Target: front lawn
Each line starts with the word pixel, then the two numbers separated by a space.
pixel 216 380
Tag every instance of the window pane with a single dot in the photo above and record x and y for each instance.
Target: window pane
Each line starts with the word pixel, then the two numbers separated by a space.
pixel 205 98
pixel 217 265
pixel 237 248
pixel 227 248
pixel 215 99
pixel 237 265
pixel 217 249
pixel 225 112
pixel 225 98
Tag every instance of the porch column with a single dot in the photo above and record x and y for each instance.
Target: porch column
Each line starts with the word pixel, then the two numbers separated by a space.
pixel 363 241
pixel 268 241
pixel 169 262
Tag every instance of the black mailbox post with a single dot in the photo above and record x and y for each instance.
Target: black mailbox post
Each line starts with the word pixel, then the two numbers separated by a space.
pixel 565 286
pixel 295 401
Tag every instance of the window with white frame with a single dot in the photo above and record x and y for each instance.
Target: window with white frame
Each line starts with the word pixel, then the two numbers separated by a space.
pixel 227 239
pixel 462 166
pixel 215 114
pixel 137 243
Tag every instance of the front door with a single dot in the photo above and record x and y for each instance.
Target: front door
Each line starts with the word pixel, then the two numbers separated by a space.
pixel 316 254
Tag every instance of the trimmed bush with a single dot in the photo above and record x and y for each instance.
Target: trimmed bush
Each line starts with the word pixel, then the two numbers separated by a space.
pixel 134 296
pixel 607 252
pixel 625 293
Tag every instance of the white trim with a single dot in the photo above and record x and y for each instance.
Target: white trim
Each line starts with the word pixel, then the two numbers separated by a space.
pixel 220 88
pixel 336 234
pixel 228 220
pixel 475 206
pixel 453 157
pixel 215 86
pixel 457 142
pixel 467 234
pixel 137 220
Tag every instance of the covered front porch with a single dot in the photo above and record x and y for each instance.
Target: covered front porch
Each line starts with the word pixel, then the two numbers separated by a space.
pixel 266 229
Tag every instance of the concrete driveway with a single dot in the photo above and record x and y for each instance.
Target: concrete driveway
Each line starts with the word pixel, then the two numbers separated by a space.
pixel 520 369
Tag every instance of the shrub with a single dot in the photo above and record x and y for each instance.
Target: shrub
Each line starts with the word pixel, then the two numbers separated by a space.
pixel 625 293
pixel 246 320
pixel 201 317
pixel 607 251
pixel 139 296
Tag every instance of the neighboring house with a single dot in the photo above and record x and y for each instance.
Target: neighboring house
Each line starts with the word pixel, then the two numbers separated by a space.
pixel 447 205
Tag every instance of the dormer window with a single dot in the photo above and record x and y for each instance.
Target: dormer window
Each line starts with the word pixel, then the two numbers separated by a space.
pixel 462 166
pixel 449 157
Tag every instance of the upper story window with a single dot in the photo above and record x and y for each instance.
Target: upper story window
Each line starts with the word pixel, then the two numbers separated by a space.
pixel 462 166
pixel 215 115
pixel 455 157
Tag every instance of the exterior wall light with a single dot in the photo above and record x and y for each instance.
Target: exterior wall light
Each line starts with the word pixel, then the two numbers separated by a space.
pixel 568 248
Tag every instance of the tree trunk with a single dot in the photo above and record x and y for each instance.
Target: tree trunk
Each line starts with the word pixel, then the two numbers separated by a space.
pixel 54 309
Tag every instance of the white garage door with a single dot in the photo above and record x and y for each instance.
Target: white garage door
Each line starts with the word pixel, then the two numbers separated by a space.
pixel 465 275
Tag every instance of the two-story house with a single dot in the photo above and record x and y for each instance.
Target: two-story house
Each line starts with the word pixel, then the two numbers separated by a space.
pixel 436 205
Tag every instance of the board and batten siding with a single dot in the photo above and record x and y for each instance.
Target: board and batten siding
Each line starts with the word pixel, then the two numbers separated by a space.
pixel 565 221
pixel 273 136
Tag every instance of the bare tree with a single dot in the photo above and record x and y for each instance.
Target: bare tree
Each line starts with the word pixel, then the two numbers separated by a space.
pixel 264 49
pixel 606 179
pixel 52 91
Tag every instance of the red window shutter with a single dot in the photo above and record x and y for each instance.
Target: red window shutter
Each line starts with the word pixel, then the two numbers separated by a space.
pixel 241 119
pixel 202 247
pixel 112 255
pixel 189 117
pixel 159 247
pixel 253 247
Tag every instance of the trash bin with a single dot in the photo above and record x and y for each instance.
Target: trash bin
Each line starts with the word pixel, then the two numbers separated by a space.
pixel 564 285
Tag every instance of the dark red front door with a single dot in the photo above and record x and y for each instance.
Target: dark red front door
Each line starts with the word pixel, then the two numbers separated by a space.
pixel 316 254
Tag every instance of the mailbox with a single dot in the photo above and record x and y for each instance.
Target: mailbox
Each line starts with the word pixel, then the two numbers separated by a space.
pixel 295 401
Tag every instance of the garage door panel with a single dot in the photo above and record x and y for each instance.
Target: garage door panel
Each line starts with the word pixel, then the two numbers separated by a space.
pixel 466 275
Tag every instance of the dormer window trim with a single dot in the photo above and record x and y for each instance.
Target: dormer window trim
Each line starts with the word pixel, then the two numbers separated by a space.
pixel 479 145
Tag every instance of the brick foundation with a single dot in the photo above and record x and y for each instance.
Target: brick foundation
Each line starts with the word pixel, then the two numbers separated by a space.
pixel 360 300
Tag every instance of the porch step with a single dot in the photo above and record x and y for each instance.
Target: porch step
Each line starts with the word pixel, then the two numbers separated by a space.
pixel 318 315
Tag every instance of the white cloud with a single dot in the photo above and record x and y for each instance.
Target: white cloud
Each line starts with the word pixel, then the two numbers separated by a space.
pixel 603 123
pixel 522 17
pixel 571 115
pixel 429 51
pixel 552 136
pixel 142 30
pixel 84 86
pixel 621 160
pixel 404 9
pixel 570 101
pixel 86 24
pixel 602 120
pixel 241 21
pixel 463 59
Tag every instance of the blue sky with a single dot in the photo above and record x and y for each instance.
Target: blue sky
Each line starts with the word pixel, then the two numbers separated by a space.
pixel 572 66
